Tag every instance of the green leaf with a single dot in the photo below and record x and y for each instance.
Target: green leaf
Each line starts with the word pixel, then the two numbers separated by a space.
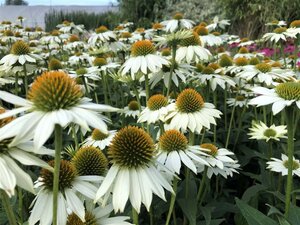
pixel 294 215
pixel 283 221
pixel 252 191
pixel 252 215
pixel 273 210
pixel 189 208
pixel 206 212
pixel 213 222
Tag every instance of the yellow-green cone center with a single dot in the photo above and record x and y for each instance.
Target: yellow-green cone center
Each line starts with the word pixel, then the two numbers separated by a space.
pixel 74 38
pixel 208 70
pixel 213 150
pixel 133 105
pixel 225 61
pixel 241 61
pixel 263 67
pixel 90 219
pixel 289 90
pixel 191 41
pixel 270 132
pixel 254 61
pixel 189 101
pixel 101 29
pixel 81 71
pixel 295 23
pixel 97 135
pixel 67 175
pixel 280 30
pixel 100 62
pixel 156 102
pixel 201 30
pixel 173 140
pixel 178 16
pixel 142 48
pixel 53 91
pixel 20 48
pixel 90 161
pixel 55 64
pixel 240 98
pixel 132 147
pixel 295 165
pixel 243 50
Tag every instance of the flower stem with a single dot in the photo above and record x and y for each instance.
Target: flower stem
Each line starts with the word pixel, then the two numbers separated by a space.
pixel 135 217
pixel 174 47
pixel 229 128
pixel 201 188
pixel 147 87
pixel 172 203
pixel 16 83
pixel 9 211
pixel 25 79
pixel 215 126
pixel 58 147
pixel 290 152
pixel 20 205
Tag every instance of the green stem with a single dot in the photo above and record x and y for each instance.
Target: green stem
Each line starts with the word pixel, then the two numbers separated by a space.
pixel 85 86
pixel 7 206
pixel 25 79
pixel 147 88
pixel 201 187
pixel 230 125
pixel 174 48
pixel 137 97
pixel 16 83
pixel 290 151
pixel 283 55
pixel 239 126
pixel 58 148
pixel 215 126
pixel 20 205
pixel 172 203
pixel 96 94
pixel 151 216
pixel 174 218
pixel 75 137
pixel 135 217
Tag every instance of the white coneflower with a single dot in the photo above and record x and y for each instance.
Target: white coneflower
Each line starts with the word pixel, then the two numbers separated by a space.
pixel 143 59
pixel 102 35
pixel 133 174
pixel 157 108
pixel 283 95
pixel 99 216
pixel 261 131
pixel 191 112
pixel 20 52
pixel 265 73
pixel 281 166
pixel 219 160
pixel 100 139
pixel 191 50
pixel 132 109
pixel 173 149
pixel 178 22
pixel 69 185
pixel 54 98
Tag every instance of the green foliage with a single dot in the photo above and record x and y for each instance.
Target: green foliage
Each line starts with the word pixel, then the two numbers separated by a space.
pixel 141 12
pixel 253 216
pixel 250 16
pixel 15 2
pixel 89 20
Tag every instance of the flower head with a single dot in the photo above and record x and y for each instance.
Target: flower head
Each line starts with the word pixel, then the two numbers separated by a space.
pixel 261 131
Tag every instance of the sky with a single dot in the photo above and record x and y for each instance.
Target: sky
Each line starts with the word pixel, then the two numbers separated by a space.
pixel 67 2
